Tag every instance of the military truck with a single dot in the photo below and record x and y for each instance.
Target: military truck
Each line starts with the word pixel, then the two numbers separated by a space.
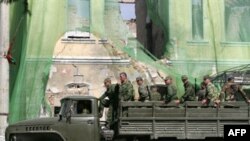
pixel 78 120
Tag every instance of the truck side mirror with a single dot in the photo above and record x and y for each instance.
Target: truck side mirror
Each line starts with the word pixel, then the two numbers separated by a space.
pixel 56 111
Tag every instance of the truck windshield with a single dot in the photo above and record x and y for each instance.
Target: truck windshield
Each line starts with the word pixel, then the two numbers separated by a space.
pixel 75 107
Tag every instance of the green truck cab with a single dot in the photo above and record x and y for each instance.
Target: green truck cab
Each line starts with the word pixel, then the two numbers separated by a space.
pixel 78 120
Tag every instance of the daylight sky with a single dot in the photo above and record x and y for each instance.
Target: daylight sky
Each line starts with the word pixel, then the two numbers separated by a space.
pixel 127 11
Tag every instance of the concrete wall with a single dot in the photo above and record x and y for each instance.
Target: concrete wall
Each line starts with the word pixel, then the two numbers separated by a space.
pixel 211 52
pixel 95 61
pixel 214 53
pixel 214 34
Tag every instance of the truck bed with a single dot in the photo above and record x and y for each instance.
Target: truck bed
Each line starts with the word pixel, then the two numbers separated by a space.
pixel 191 120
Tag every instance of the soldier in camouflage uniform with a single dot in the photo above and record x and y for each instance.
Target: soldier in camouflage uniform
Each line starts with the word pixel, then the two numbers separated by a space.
pixel 171 90
pixel 155 95
pixel 232 91
pixel 211 94
pixel 142 90
pixel 189 94
pixel 112 102
pixel 201 93
pixel 126 89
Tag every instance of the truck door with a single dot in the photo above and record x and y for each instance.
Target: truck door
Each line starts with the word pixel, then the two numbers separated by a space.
pixel 83 122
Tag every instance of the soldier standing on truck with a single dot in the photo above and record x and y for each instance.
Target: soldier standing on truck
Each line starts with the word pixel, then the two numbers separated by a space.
pixel 142 90
pixel 171 90
pixel 112 101
pixel 189 94
pixel 126 89
pixel 211 94
pixel 232 92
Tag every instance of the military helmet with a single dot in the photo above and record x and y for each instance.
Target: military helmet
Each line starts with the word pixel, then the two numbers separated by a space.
pixel 184 77
pixel 107 80
pixel 230 77
pixel 206 77
pixel 168 78
pixel 139 78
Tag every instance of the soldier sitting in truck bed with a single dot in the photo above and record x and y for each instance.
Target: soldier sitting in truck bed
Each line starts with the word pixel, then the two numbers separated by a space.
pixel 142 90
pixel 200 95
pixel 189 94
pixel 232 92
pixel 211 94
pixel 154 94
pixel 171 90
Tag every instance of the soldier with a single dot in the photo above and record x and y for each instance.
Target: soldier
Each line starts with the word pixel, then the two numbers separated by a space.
pixel 126 90
pixel 189 94
pixel 201 93
pixel 112 101
pixel 86 108
pixel 232 91
pixel 155 95
pixel 171 90
pixel 142 90
pixel 83 107
pixel 211 93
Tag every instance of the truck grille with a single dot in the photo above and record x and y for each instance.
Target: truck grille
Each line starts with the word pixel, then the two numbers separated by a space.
pixel 37 128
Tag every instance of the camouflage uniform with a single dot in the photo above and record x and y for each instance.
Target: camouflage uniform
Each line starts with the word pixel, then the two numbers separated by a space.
pixel 111 102
pixel 211 93
pixel 143 93
pixel 201 93
pixel 232 92
pixel 126 91
pixel 171 93
pixel 155 96
pixel 189 94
